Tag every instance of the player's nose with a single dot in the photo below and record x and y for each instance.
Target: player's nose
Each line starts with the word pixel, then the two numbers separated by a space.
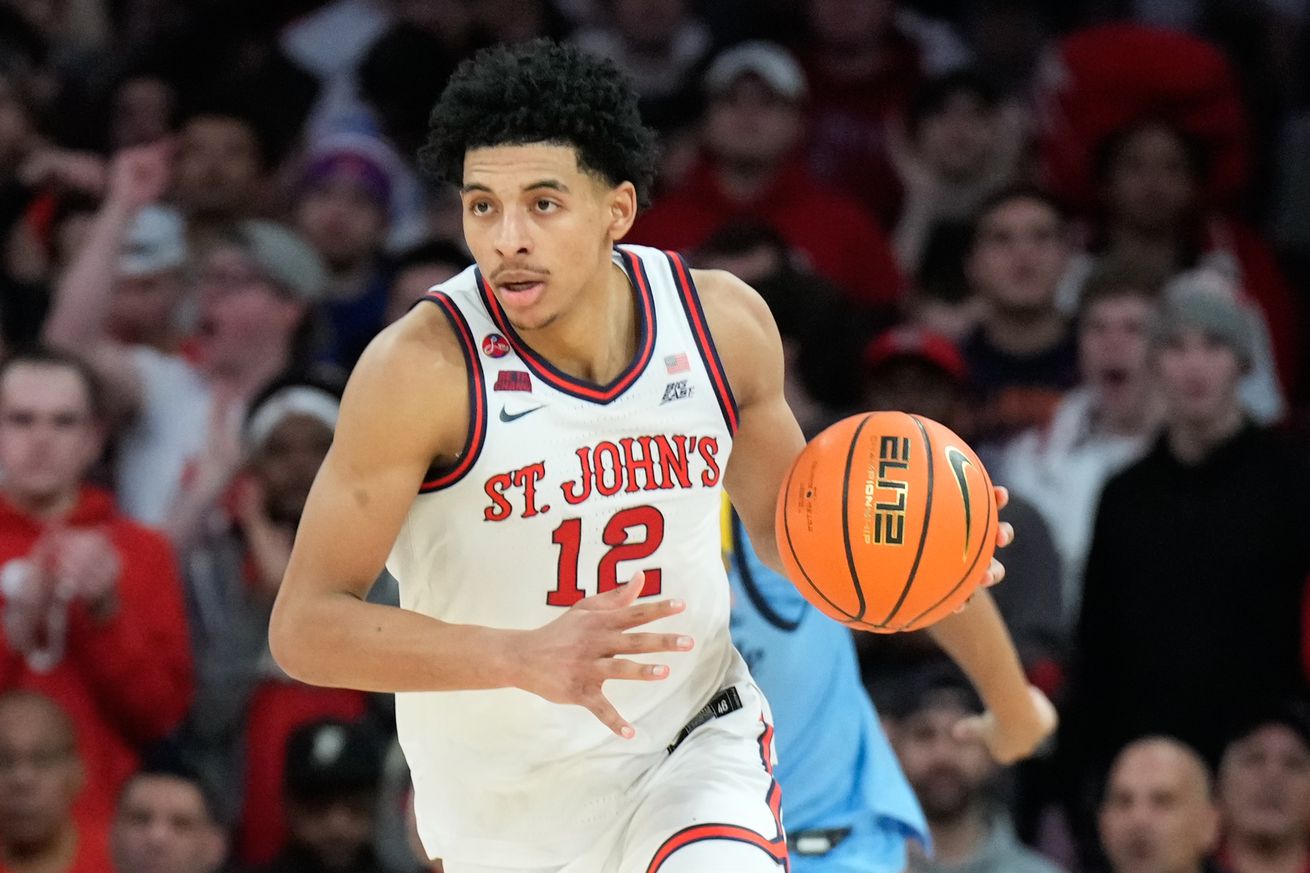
pixel 513 236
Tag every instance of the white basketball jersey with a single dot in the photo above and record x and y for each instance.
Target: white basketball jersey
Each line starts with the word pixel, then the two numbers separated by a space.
pixel 566 488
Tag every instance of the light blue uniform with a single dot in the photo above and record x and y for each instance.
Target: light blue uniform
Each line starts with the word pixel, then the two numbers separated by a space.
pixel 835 766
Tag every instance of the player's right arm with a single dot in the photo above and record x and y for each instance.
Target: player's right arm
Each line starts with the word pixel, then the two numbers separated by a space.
pixel 406 406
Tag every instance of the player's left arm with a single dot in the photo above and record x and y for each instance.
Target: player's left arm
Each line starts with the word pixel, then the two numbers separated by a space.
pixel 768 439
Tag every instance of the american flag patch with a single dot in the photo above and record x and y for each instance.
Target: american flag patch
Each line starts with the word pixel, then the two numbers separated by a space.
pixel 677 363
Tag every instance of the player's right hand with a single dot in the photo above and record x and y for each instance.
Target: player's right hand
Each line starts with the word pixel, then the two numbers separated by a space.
pixel 570 659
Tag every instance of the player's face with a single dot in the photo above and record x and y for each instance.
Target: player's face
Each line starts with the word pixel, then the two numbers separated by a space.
pixel 1264 785
pixel 1155 816
pixel 947 774
pixel 1199 374
pixel 1019 256
pixel 48 439
pixel 162 827
pixel 540 228
pixel 1114 345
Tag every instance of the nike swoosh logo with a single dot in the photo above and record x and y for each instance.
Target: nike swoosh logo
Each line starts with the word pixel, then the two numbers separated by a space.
pixel 958 461
pixel 514 416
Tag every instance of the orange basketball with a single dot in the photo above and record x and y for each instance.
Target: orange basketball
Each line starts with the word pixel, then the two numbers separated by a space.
pixel 887 522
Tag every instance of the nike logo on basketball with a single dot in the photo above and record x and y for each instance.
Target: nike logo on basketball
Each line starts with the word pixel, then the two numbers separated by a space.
pixel 507 416
pixel 958 462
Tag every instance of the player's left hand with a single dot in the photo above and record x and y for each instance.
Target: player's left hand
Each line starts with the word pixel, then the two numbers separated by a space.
pixel 1015 739
pixel 1004 536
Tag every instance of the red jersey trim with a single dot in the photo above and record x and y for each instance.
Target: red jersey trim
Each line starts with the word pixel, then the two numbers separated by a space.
pixel 704 341
pixel 477 430
pixel 561 381
pixel 775 848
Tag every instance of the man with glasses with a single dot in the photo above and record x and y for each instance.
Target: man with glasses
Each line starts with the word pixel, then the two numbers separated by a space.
pixel 40 776
pixel 253 291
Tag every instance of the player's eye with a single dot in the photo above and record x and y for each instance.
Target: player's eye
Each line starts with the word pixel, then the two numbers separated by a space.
pixel 480 207
pixel 544 205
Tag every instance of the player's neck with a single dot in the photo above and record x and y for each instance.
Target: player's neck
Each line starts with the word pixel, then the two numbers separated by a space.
pixel 957 840
pixel 1252 854
pixel 597 338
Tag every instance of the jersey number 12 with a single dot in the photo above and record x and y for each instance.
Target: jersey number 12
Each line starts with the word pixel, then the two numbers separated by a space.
pixel 568 536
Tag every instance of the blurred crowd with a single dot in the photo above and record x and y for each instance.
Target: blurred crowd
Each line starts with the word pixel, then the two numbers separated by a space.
pixel 1076 233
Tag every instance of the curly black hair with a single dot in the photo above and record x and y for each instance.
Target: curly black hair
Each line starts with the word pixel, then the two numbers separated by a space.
pixel 542 91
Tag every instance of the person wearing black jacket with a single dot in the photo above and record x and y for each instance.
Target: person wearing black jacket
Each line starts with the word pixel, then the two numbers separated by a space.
pixel 1200 551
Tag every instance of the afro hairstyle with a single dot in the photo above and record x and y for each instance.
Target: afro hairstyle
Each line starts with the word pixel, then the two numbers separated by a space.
pixel 542 92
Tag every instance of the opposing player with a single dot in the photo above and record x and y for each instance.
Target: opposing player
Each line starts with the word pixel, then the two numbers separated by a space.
pixel 551 423
pixel 849 808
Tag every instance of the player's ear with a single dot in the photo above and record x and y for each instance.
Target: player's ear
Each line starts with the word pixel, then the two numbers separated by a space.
pixel 622 203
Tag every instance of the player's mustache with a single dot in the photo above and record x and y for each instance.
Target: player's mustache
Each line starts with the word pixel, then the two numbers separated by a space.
pixel 516 268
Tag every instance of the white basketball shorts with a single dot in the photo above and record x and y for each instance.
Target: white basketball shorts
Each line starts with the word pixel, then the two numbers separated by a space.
pixel 711 806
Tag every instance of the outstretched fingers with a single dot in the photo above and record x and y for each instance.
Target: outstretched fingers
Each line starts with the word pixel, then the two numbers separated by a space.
pixel 598 704
pixel 620 597
pixel 646 643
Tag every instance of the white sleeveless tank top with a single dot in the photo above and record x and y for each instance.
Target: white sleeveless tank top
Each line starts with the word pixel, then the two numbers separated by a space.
pixel 566 488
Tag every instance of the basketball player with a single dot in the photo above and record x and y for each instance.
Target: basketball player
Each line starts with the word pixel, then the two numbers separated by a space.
pixel 553 422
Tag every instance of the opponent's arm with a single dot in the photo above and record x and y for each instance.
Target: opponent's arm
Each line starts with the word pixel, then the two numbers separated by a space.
pixel 1018 716
pixel 768 441
pixel 406 405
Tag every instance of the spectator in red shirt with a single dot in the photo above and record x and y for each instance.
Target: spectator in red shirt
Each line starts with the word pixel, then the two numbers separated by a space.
pixel 1264 795
pixel 752 169
pixel 41 774
pixel 91 604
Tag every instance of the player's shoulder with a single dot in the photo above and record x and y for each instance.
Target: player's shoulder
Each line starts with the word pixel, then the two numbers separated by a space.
pixel 413 378
pixel 733 308
pixel 424 339
pixel 742 327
